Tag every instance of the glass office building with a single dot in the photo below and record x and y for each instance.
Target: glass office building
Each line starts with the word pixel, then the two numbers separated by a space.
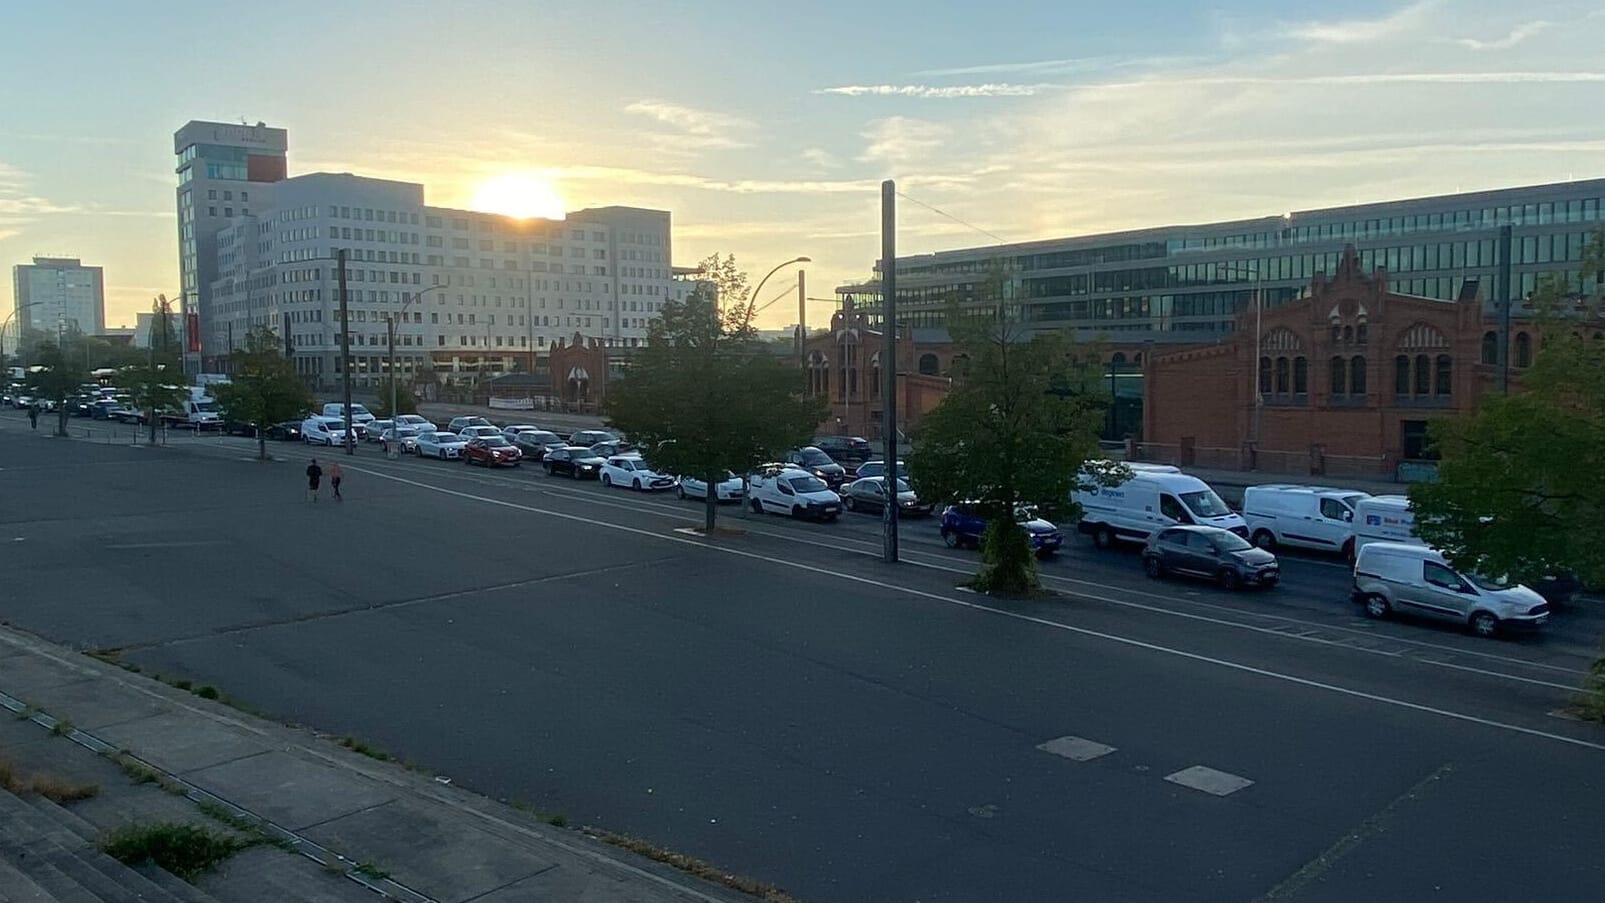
pixel 1187 283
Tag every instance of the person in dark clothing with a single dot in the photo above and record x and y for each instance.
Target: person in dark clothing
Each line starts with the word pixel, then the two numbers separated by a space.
pixel 33 415
pixel 314 477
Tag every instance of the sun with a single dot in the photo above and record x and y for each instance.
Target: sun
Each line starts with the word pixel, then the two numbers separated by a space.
pixel 521 194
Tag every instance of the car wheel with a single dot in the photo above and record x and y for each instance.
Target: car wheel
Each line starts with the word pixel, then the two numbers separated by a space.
pixel 849 504
pixel 574 472
pixel 757 507
pixel 549 471
pixel 607 480
pixel 1377 607
pixel 951 538
pixel 1153 567
pixel 1484 624
pixel 1265 540
pixel 679 492
pixel 1348 551
pixel 796 511
pixel 636 485
pixel 1103 537
pixel 1227 579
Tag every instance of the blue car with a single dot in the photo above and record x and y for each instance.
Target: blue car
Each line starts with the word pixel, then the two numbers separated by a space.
pixel 963 524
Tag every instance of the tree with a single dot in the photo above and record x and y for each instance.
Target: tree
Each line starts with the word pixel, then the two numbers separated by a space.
pixel 264 387
pixel 151 384
pixel 703 396
pixel 406 401
pixel 59 378
pixel 1013 431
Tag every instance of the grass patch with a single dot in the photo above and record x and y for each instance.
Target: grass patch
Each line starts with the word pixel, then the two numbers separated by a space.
pixel 181 684
pixel 243 824
pixel 187 851
pixel 558 820
pixel 365 748
pixel 1590 704
pixel 207 691
pixel 137 771
pixel 28 711
pixel 694 866
pixel 52 787
pixel 371 870
pixel 62 728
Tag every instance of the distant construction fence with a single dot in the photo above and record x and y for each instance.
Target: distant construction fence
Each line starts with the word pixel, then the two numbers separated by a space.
pixel 1314 461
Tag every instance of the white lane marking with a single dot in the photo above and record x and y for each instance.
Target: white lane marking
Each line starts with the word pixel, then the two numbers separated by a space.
pixel 1016 616
pixel 1209 780
pixel 175 544
pixel 1076 749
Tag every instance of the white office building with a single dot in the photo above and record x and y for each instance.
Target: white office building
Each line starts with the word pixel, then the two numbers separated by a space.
pixel 469 292
pixel 59 295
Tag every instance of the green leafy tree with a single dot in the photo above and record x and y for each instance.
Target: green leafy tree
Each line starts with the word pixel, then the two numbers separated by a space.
pixel 59 378
pixel 703 396
pixel 264 387
pixel 406 401
pixel 1013 431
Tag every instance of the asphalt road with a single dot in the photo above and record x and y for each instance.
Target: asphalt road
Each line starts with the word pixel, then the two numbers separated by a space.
pixel 789 707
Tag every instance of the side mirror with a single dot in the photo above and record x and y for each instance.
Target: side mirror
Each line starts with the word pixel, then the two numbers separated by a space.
pixel 1348 517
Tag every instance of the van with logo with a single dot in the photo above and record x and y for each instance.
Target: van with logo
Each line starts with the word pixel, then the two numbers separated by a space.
pixel 1157 496
pixel 1306 517
pixel 1398 578
pixel 1385 518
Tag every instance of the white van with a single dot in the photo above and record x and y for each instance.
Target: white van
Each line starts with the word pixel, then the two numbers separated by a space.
pixel 359 414
pixel 1393 577
pixel 1157 496
pixel 1310 517
pixel 1385 518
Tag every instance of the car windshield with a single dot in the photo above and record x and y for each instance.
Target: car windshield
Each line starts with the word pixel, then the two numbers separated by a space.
pixel 902 486
pixel 806 484
pixel 1231 542
pixel 813 457
pixel 539 438
pixel 496 441
pixel 1205 503
pixel 580 451
pixel 1491 584
pixel 358 409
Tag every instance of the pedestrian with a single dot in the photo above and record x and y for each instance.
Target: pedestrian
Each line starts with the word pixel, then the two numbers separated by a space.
pixel 314 477
pixel 33 415
pixel 335 476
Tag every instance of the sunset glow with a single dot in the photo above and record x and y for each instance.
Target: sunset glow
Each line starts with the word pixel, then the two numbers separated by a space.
pixel 520 194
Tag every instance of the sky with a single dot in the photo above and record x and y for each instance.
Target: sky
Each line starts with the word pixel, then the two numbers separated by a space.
pixel 766 127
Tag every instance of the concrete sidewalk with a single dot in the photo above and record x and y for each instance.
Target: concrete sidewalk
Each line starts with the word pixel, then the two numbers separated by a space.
pixel 356 822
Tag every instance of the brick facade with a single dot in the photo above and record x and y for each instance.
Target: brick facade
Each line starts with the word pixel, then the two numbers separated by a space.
pixel 844 365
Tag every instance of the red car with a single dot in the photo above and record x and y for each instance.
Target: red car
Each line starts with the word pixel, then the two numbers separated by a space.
pixel 492 451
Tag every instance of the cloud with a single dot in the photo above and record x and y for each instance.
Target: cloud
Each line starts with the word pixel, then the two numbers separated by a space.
pixel 695 129
pixel 1363 31
pixel 618 175
pixel 900 139
pixel 821 158
pixel 1518 34
pixel 937 91
pixel 1059 67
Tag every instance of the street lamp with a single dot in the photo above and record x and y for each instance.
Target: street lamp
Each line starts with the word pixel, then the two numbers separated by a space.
pixel 778 268
pixel 3 326
pixel 390 328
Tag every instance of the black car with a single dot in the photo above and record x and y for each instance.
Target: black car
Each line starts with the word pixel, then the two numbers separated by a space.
pixel 102 409
pixel 1211 553
pixel 288 431
pixel 589 438
pixel 851 449
pixel 869 495
pixel 821 465
pixel 576 461
pixel 536 443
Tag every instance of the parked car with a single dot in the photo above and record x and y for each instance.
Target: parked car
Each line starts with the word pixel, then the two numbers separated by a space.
pixel 845 449
pixel 632 471
pixel 1401 578
pixel 1310 517
pixel 589 438
pixel 421 424
pixel 458 424
pixel 1211 553
pixel 406 435
pixel 511 431
pixel 323 431
pixel 372 430
pixel 789 490
pixel 729 489
pixel 359 413
pixel 104 408
pixel 1157 496
pixel 816 462
pixel 491 451
pixel 877 468
pixel 437 444
pixel 288 431
pixel 613 447
pixel 963 524
pixel 869 495
pixel 476 432
pixel 535 443
pixel 577 461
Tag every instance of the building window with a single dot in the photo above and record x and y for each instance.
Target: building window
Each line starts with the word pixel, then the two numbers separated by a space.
pixel 1443 373
pixel 1283 372
pixel 1490 347
pixel 1340 373
pixel 1423 375
pixel 929 365
pixel 1301 376
pixel 1401 376
pixel 1264 376
pixel 1357 375
pixel 1524 350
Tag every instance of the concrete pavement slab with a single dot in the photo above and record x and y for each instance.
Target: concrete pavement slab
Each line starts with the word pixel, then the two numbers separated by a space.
pixel 21 676
pixel 268 875
pixel 290 790
pixel 180 742
pixel 94 703
pixel 433 847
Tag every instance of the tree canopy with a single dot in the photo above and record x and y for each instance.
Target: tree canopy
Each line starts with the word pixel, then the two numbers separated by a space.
pixel 264 388
pixel 61 375
pixel 703 396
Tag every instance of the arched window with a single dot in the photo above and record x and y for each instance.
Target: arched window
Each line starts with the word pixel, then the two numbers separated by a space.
pixel 1264 376
pixel 1490 347
pixel 1357 375
pixel 1283 372
pixel 1443 372
pixel 875 375
pixel 1301 375
pixel 1524 350
pixel 1401 376
pixel 929 365
pixel 1360 334
pixel 1340 376
pixel 849 368
pixel 1423 377
pixel 818 373
pixel 1348 334
pixel 1117 361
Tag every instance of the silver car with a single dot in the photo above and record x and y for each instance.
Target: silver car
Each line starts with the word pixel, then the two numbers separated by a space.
pixel 1394 577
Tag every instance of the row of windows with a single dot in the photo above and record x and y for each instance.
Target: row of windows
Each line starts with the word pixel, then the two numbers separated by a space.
pixel 1418 377
pixel 228 195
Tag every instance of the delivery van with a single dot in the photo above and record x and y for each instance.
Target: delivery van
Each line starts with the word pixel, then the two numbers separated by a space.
pixel 1385 518
pixel 1398 578
pixel 1307 517
pixel 1157 496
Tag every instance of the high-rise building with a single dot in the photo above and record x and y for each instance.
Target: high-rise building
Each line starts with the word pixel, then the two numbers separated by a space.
pixel 1187 283
pixel 59 295
pixel 469 292
pixel 225 171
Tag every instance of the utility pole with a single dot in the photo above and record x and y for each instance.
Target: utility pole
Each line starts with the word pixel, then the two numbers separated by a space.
pixel 345 350
pixel 802 326
pixel 1502 290
pixel 889 365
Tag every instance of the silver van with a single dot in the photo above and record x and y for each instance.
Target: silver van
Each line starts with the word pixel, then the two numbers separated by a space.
pixel 1392 577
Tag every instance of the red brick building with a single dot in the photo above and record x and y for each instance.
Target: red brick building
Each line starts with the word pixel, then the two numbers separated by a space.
pixel 1344 381
pixel 844 365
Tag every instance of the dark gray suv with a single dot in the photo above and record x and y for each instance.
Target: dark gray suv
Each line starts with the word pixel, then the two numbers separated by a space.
pixel 1210 553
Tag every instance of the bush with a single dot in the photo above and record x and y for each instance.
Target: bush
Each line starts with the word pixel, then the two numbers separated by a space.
pixel 1008 566
pixel 1591 704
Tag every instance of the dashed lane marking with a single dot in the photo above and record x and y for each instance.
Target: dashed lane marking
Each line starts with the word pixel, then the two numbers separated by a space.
pixel 1076 749
pixel 1209 780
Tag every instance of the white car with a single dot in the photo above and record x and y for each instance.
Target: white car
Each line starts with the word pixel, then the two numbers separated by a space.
pixel 478 432
pixel 407 436
pixel 370 431
pixel 790 490
pixel 445 446
pixel 730 489
pixel 421 424
pixel 511 431
pixel 631 471
pixel 329 431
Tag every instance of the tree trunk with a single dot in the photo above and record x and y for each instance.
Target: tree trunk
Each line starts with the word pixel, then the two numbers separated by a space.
pixel 710 506
pixel 261 443
pixel 153 425
pixel 61 418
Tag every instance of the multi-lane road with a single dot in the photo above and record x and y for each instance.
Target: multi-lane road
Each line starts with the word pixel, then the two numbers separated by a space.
pixel 784 704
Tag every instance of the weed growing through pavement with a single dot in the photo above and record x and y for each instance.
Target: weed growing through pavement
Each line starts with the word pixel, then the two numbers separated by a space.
pixel 185 850
pixel 690 864
pixel 52 787
pixel 365 748
pixel 62 728
pixel 371 870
